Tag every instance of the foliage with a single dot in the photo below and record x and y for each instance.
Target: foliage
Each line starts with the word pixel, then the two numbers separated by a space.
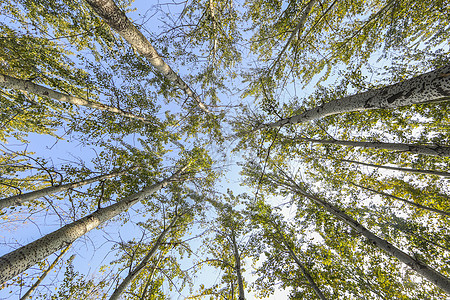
pixel 252 63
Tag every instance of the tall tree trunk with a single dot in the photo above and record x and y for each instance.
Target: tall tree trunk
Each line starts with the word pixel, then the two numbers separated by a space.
pixel 237 266
pixel 417 149
pixel 429 87
pixel 150 279
pixel 30 87
pixel 305 272
pixel 22 198
pixel 42 277
pixel 127 280
pixel 444 213
pixel 214 42
pixel 421 268
pixel 19 260
pixel 409 170
pixel 118 21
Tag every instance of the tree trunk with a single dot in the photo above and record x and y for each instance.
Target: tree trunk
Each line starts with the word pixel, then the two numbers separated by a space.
pixel 429 87
pixel 421 268
pixel 21 259
pixel 444 213
pixel 415 171
pixel 214 42
pixel 30 87
pixel 237 266
pixel 305 272
pixel 20 199
pixel 417 149
pixel 127 280
pixel 38 282
pixel 150 279
pixel 118 21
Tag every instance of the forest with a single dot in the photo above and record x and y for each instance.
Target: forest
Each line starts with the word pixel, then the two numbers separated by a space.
pixel 220 149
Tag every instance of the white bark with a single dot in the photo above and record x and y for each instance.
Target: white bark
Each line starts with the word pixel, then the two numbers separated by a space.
pixel 127 280
pixel 30 87
pixel 417 149
pixel 214 41
pixel 421 268
pixel 429 87
pixel 21 259
pixel 118 21
pixel 408 170
pixel 22 198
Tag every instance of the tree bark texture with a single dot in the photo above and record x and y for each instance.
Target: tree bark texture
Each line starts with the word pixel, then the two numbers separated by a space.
pixel 21 259
pixel 118 21
pixel 127 280
pixel 30 87
pixel 429 87
pixel 421 268
pixel 434 150
pixel 22 198
pixel 42 277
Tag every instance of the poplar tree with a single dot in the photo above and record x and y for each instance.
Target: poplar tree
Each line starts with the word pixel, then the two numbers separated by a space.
pixel 336 112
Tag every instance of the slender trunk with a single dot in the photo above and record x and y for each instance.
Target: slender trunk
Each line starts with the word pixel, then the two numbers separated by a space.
pixel 22 198
pixel 21 259
pixel 429 87
pixel 421 268
pixel 214 42
pixel 237 266
pixel 30 87
pixel 305 272
pixel 118 21
pixel 307 275
pixel 150 279
pixel 127 280
pixel 417 149
pixel 38 282
pixel 296 31
pixel 444 213
pixel 416 171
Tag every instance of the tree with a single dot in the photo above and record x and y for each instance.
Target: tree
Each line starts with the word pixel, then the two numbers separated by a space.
pixel 419 149
pixel 336 113
pixel 115 18
pixel 273 230
pixel 432 275
pixel 405 200
pixel 429 87
pixel 21 198
pixel 133 273
pixel 21 259
pixel 228 249
pixel 36 284
pixel 28 86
